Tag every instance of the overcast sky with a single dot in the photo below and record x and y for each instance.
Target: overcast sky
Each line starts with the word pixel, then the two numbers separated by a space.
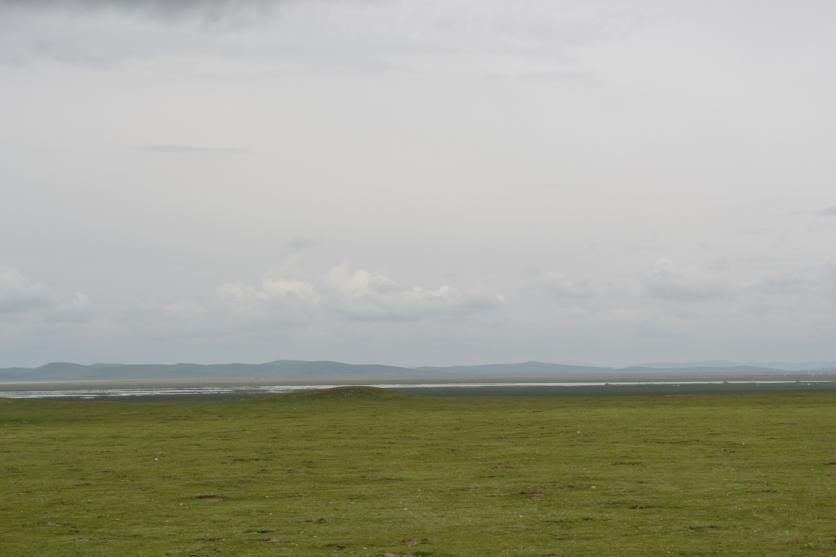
pixel 417 182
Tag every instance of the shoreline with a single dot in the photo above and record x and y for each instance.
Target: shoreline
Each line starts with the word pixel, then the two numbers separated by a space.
pixel 87 390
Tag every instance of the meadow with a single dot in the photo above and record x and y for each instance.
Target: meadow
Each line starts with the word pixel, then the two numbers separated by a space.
pixel 358 472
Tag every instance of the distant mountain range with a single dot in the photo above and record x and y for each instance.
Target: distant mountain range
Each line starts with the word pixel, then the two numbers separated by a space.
pixel 300 371
pixel 781 366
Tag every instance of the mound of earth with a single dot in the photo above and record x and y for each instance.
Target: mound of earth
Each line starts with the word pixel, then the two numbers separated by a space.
pixel 345 393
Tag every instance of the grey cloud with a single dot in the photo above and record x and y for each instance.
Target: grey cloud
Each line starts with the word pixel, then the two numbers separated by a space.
pixel 582 296
pixel 371 126
pixel 343 293
pixel 359 294
pixel 350 36
pixel 191 150
pixel 209 11
pixel 18 294
pixel 560 286
pixel 665 282
pixel 275 298
pixel 300 243
pixel 815 282
pixel 785 284
pixel 100 33
pixel 668 291
pixel 829 211
pixel 74 309
pixel 21 296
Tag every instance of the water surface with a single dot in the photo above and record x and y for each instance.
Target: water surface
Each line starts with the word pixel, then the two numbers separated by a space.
pixel 446 388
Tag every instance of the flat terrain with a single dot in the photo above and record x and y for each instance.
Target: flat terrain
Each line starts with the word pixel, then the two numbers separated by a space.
pixel 358 472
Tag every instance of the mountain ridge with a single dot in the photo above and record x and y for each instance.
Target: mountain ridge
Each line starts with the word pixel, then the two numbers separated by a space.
pixel 328 370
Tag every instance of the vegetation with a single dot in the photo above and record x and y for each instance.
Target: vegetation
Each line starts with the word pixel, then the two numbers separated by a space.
pixel 351 473
pixel 340 393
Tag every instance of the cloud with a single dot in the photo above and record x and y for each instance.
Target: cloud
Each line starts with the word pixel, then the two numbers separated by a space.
pixel 348 293
pixel 302 306
pixel 665 282
pixel 816 282
pixel 675 297
pixel 18 294
pixel 533 42
pixel 301 243
pixel 21 296
pixel 829 211
pixel 207 11
pixel 76 308
pixel 359 294
pixel 559 286
pixel 100 33
pixel 191 150
pixel 274 298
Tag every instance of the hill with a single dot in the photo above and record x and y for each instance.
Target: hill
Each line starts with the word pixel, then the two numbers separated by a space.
pixel 330 372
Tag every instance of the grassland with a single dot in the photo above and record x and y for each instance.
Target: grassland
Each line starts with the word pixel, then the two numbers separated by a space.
pixel 357 474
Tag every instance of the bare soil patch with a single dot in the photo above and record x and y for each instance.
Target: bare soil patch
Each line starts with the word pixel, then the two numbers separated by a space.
pixel 211 497
pixel 534 494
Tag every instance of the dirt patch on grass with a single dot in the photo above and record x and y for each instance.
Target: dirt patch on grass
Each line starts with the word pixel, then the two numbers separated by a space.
pixel 534 494
pixel 412 542
pixel 211 497
pixel 703 527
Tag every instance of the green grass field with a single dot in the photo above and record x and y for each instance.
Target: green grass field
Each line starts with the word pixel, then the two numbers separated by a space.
pixel 353 473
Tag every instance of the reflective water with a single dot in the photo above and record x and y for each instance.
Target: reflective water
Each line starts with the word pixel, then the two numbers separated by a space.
pixel 90 393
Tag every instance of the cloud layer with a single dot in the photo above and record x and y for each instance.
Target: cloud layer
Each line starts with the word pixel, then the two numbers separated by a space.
pixel 206 10
pixel 354 294
pixel 664 302
pixel 198 170
pixel 21 298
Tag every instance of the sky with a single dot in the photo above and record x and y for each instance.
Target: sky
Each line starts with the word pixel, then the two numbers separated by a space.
pixel 417 181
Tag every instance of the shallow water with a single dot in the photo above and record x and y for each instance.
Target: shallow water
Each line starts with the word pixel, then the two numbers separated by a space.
pixel 92 393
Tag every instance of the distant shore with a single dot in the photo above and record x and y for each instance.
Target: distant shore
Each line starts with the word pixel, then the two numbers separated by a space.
pixel 179 389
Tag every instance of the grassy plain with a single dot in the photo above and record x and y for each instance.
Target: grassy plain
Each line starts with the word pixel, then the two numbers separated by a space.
pixel 362 474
